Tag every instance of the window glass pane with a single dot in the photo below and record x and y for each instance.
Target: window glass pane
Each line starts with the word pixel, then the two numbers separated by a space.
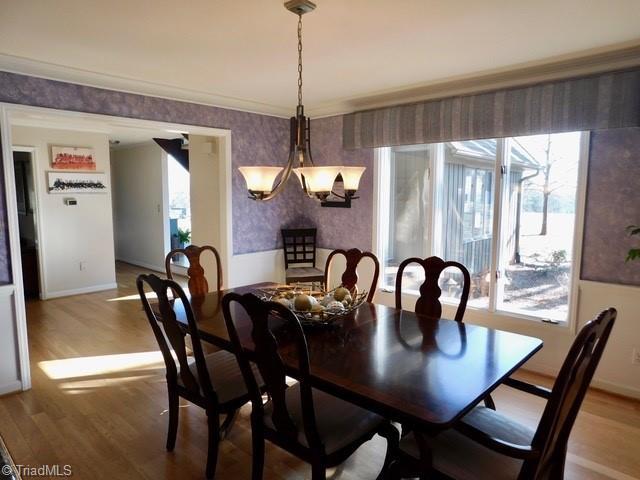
pixel 537 241
pixel 408 211
pixel 463 225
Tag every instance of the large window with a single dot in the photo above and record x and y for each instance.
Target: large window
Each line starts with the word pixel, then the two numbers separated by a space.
pixel 505 208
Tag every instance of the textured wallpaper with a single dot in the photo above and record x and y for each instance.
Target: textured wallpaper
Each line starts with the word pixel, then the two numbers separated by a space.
pixel 613 202
pixel 341 227
pixel 256 140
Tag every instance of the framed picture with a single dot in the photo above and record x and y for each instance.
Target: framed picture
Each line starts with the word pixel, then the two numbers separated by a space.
pixel 77 182
pixel 72 158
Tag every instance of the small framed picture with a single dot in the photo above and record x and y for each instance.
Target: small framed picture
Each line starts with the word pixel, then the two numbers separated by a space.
pixel 77 182
pixel 72 158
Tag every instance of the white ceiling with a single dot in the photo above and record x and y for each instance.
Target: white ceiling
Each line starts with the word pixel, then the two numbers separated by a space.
pixel 243 53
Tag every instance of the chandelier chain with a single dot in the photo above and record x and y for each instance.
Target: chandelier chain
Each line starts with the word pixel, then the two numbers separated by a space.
pixel 299 60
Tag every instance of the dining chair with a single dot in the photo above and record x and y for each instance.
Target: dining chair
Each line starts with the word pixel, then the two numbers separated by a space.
pixel 318 428
pixel 197 283
pixel 213 382
pixel 428 304
pixel 488 445
pixel 349 277
pixel 299 246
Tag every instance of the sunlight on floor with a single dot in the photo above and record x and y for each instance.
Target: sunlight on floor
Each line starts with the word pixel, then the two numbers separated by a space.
pixel 132 297
pixel 69 368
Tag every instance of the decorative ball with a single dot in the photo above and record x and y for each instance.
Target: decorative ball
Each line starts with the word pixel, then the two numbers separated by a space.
pixel 347 300
pixel 327 299
pixel 284 302
pixel 335 306
pixel 302 303
pixel 317 308
pixel 340 293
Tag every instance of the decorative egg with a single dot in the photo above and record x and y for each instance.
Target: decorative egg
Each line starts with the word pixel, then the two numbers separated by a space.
pixel 317 308
pixel 284 302
pixel 313 300
pixel 340 293
pixel 335 306
pixel 326 300
pixel 347 300
pixel 302 303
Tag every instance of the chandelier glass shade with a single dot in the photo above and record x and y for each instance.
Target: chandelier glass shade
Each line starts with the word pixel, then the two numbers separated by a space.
pixel 316 181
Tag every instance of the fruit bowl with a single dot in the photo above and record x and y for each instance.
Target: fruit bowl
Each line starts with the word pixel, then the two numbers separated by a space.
pixel 314 307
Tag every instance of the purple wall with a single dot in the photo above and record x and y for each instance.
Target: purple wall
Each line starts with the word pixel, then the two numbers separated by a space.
pixel 341 227
pixel 256 140
pixel 613 202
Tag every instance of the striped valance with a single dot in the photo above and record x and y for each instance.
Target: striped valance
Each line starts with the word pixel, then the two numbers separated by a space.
pixel 608 100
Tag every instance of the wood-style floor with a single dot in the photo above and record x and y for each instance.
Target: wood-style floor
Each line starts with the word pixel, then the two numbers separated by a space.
pixel 98 404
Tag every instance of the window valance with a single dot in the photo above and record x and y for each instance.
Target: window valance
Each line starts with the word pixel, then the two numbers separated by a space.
pixel 602 101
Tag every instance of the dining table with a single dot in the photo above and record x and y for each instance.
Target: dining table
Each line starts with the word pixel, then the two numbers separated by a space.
pixel 409 368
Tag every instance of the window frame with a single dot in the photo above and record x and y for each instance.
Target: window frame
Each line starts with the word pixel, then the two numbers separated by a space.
pixel 381 192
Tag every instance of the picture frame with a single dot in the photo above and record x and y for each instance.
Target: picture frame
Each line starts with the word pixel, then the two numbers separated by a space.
pixel 77 182
pixel 72 158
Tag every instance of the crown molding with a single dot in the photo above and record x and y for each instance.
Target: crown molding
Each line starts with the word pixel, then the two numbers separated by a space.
pixel 51 71
pixel 615 57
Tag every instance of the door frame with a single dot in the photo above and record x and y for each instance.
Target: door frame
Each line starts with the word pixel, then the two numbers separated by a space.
pixel 37 214
pixel 8 110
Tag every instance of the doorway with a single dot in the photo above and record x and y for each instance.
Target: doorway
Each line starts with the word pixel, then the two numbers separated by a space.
pixel 24 167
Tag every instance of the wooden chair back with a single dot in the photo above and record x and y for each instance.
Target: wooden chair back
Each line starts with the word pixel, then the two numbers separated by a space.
pixel 269 361
pixel 428 303
pixel 170 335
pixel 349 278
pixel 567 395
pixel 299 246
pixel 197 284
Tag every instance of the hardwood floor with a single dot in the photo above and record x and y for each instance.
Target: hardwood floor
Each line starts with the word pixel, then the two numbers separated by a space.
pixel 98 404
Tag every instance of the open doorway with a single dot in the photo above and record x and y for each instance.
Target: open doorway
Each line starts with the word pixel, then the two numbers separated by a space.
pixel 73 240
pixel 26 202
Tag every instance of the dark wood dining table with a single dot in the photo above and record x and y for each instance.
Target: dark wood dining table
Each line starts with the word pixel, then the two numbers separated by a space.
pixel 408 368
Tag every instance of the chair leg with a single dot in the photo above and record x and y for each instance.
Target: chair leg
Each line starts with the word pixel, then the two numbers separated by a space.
pixel 228 423
pixel 174 412
pixel 391 434
pixel 213 422
pixel 257 452
pixel 489 403
pixel 318 472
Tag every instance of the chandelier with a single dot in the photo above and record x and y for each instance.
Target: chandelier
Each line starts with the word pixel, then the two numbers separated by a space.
pixel 317 182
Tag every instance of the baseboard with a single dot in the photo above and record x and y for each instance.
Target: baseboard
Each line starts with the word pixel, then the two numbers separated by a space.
pixel 604 385
pixel 79 291
pixel 137 263
pixel 11 387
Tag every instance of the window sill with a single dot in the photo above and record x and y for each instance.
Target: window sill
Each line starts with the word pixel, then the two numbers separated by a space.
pixel 480 311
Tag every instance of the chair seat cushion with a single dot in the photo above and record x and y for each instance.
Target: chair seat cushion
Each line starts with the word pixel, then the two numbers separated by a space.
pixel 457 456
pixel 225 374
pixel 339 423
pixel 304 273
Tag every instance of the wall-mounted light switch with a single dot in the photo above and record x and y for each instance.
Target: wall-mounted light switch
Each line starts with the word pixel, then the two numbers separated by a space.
pixel 70 201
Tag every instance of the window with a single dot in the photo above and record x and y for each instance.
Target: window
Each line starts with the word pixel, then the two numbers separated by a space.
pixel 179 202
pixel 443 201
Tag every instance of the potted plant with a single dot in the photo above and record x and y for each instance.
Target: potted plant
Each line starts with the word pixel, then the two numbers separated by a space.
pixel 184 237
pixel 634 253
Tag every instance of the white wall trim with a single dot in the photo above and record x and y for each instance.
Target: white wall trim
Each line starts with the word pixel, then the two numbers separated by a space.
pixel 12 387
pixel 14 246
pixel 51 71
pixel 80 291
